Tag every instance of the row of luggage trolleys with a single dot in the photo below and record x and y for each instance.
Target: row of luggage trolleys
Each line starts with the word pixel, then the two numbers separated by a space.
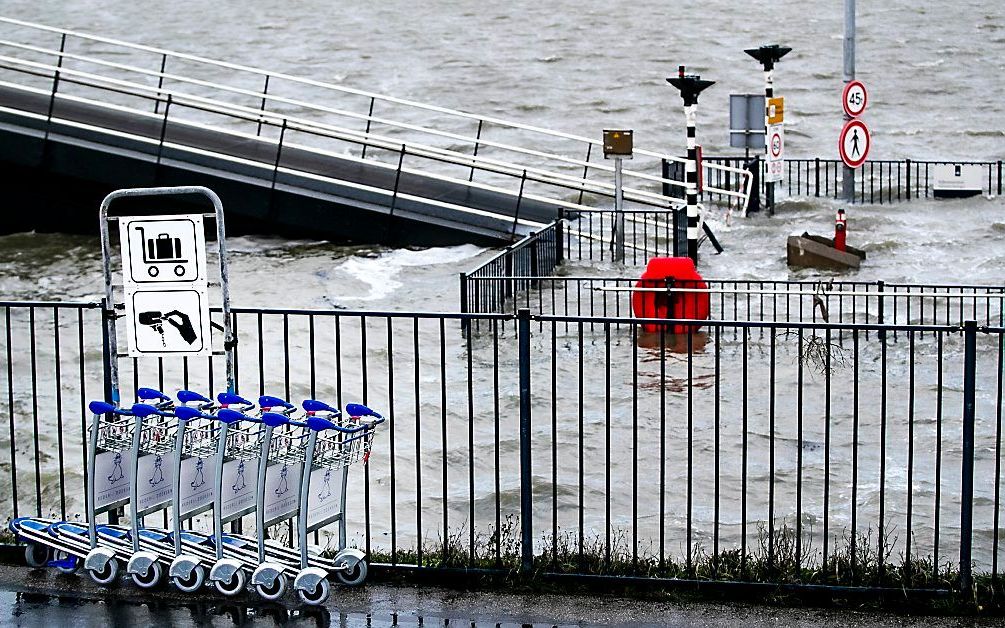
pixel 273 438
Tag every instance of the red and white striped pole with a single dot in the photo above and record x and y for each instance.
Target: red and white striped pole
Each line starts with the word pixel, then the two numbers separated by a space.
pixel 840 230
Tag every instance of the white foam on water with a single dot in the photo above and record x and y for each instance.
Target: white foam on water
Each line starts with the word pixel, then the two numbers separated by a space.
pixel 380 274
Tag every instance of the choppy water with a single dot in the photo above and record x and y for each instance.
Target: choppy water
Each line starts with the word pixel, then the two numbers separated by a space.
pixel 935 74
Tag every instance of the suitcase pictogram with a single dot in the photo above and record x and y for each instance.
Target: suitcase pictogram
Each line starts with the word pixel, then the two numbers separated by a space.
pixel 162 249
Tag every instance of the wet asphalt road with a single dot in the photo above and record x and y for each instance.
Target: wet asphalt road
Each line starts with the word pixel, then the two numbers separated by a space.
pixel 37 598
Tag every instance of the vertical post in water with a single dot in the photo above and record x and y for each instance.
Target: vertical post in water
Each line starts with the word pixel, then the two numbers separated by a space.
pixel 526 477
pixel 618 146
pixel 967 484
pixel 848 182
pixel 619 214
pixel 768 56
pixel 691 180
pixel 690 86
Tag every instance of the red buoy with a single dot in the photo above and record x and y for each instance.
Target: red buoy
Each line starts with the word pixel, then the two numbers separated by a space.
pixel 677 305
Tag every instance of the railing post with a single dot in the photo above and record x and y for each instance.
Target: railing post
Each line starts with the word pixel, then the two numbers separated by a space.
pixel 967 484
pixel 369 119
pixel 164 124
pixel 586 170
pixel 465 323
pixel 560 237
pixel 880 309
pixel 907 182
pixel 508 282
pixel 526 477
pixel 816 176
pixel 999 177
pixel 519 200
pixel 535 265
pixel 160 83
pixel 265 97
pixel 474 155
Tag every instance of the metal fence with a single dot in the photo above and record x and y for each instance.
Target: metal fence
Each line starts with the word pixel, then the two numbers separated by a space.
pixel 809 453
pixel 743 300
pixel 877 181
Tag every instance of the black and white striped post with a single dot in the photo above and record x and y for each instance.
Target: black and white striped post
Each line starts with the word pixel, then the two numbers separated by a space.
pixel 768 56
pixel 690 85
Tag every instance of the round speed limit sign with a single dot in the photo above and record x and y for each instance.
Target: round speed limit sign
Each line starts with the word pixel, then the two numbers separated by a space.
pixel 854 99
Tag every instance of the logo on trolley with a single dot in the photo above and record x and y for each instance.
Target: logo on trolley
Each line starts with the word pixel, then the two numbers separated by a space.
pixel 116 473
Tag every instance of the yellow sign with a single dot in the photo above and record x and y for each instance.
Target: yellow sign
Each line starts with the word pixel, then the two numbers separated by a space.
pixel 776 110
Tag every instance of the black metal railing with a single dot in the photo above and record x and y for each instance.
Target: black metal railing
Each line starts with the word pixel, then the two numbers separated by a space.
pixel 535 255
pixel 877 181
pixel 808 453
pixel 745 300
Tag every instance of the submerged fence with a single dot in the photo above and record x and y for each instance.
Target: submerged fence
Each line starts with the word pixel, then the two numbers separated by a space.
pixel 877 181
pixel 779 451
pixel 740 300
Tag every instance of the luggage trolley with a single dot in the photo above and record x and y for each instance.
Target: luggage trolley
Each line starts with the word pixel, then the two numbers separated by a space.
pixel 333 443
pixel 115 437
pixel 231 443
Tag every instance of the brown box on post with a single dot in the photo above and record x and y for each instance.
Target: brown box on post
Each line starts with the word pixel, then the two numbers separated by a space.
pixel 617 143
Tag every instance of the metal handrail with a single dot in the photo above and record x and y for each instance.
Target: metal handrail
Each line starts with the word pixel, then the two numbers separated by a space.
pixel 340 133
pixel 743 176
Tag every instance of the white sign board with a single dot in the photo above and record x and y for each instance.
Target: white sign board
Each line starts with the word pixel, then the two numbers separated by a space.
pixel 775 164
pixel 165 282
pixel 168 322
pixel 239 480
pixel 325 498
pixel 111 479
pixel 958 180
pixel 282 492
pixel 155 483
pixel 196 493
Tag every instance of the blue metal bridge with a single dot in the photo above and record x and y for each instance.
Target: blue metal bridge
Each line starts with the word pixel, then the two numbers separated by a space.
pixel 81 115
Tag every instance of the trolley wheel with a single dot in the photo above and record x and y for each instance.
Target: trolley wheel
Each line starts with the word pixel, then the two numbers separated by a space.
pixel 273 591
pixel 60 555
pixel 151 578
pixel 194 581
pixel 153 271
pixel 179 270
pixel 107 575
pixel 316 597
pixel 353 577
pixel 233 586
pixel 36 555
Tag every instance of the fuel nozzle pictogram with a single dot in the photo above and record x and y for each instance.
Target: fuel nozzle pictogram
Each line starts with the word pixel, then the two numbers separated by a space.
pixel 178 320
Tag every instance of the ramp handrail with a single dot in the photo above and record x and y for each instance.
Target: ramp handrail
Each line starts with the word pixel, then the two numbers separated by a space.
pixel 475 161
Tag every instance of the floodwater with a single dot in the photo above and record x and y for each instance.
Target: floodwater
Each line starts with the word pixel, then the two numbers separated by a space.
pixel 935 73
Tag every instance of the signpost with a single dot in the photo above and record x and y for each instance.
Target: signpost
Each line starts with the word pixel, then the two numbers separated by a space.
pixel 768 56
pixel 618 146
pixel 165 284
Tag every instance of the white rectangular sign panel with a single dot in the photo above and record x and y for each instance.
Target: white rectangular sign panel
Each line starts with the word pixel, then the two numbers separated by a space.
pixel 775 163
pixel 165 285
pixel 111 479
pixel 167 322
pixel 196 492
pixel 282 492
pixel 162 249
pixel 155 484
pixel 239 479
pixel 324 499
